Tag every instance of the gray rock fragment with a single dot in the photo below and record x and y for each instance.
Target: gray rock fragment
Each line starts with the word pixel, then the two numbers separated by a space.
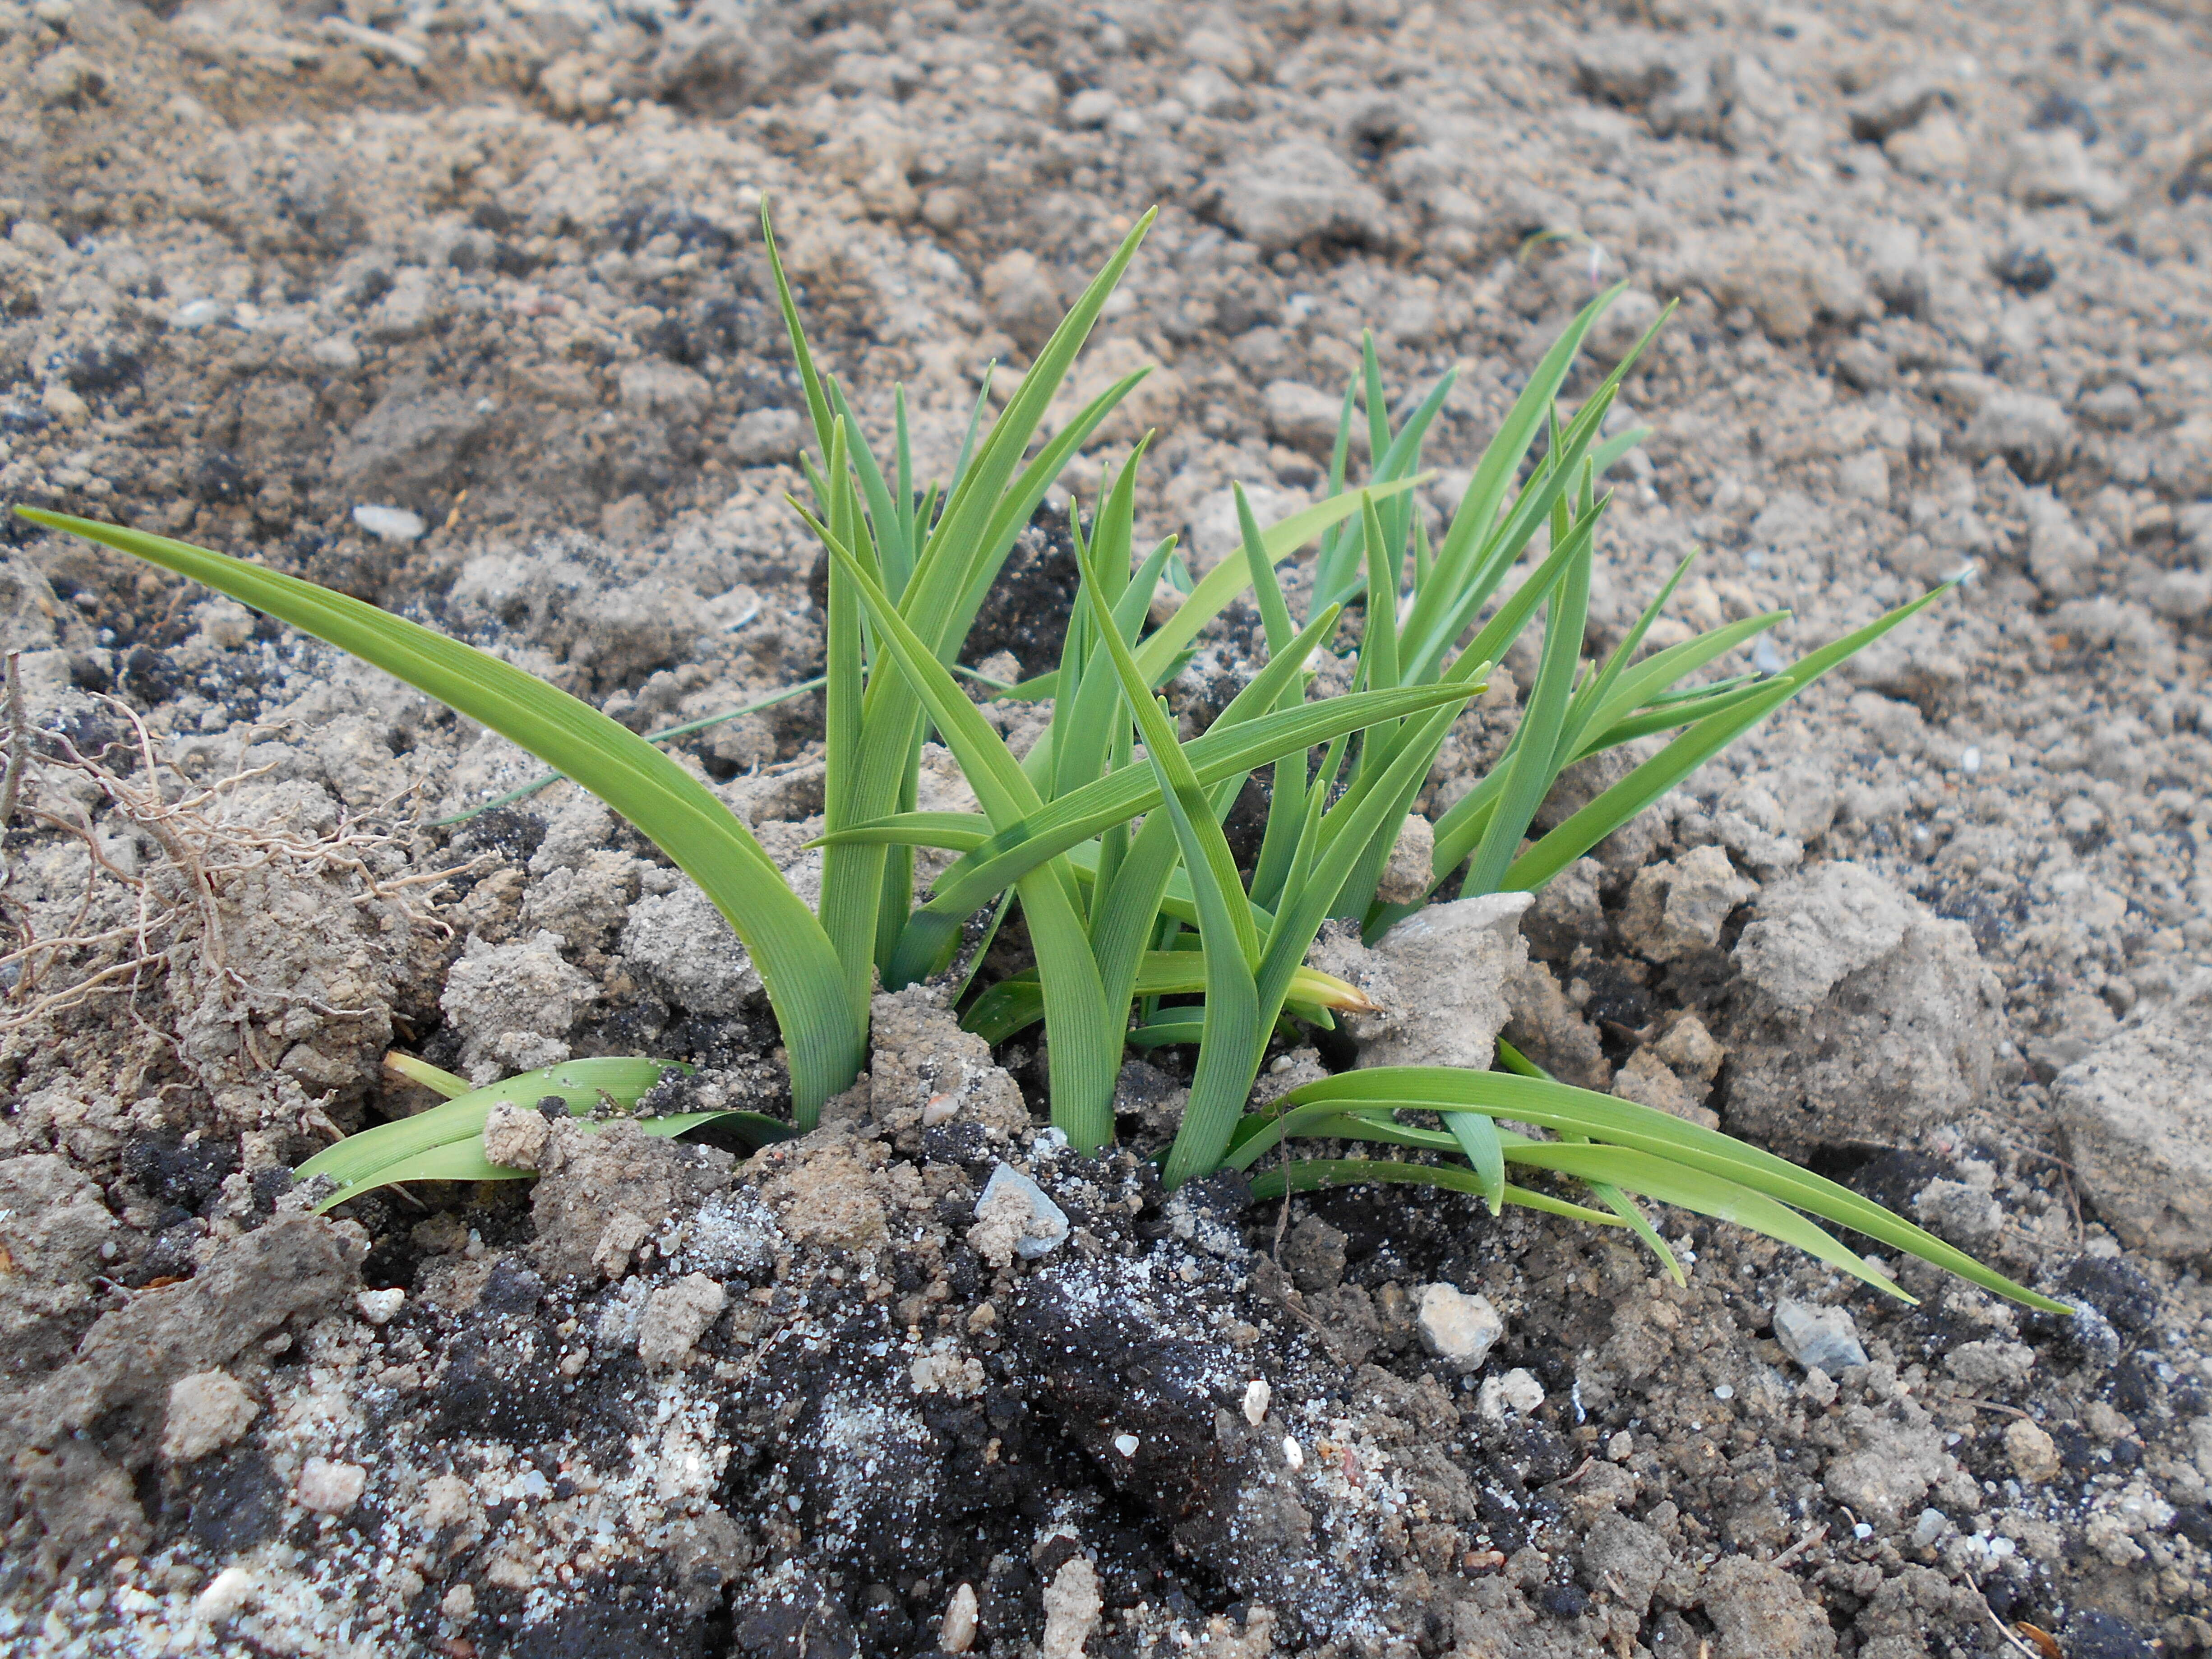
pixel 1677 907
pixel 606 1191
pixel 2138 1125
pixel 762 437
pixel 412 446
pixel 53 1230
pixel 684 948
pixel 513 1005
pixel 1857 1015
pixel 1411 871
pixel 1897 103
pixel 1300 192
pixel 676 1317
pixel 1817 1337
pixel 2031 432
pixel 1303 416
pixel 514 1135
pixel 1016 1217
pixel 1966 1214
pixel 1438 978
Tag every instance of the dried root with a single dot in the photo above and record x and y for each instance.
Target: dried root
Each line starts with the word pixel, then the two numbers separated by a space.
pixel 175 899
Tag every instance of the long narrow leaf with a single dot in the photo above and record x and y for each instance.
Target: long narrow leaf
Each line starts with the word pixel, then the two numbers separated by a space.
pixel 1082 1028
pixel 1226 580
pixel 1533 765
pixel 1570 1111
pixel 1316 1174
pixel 1126 793
pixel 1594 822
pixel 1476 518
pixel 825 1042
pixel 1234 1035
pixel 1485 1154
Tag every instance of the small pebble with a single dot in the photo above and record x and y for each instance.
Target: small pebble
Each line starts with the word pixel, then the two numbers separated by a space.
pixel 389 524
pixel 1294 1455
pixel 956 1631
pixel 1725 1391
pixel 196 315
pixel 207 1411
pixel 1516 1393
pixel 1255 1402
pixel 1863 1530
pixel 1457 1329
pixel 1621 1447
pixel 330 1488
pixel 2033 1453
pixel 226 1593
pixel 1126 1444
pixel 381 1307
pixel 1817 1337
pixel 1036 1225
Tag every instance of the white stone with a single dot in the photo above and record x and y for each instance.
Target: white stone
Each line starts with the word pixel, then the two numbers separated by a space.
pixel 207 1411
pixel 389 524
pixel 956 1631
pixel 195 314
pixel 225 1593
pixel 1457 1329
pixel 330 1488
pixel 1256 1399
pixel 1092 107
pixel 381 1307
pixel 1515 1394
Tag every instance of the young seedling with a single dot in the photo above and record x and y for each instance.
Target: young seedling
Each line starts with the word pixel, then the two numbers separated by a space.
pixel 1113 858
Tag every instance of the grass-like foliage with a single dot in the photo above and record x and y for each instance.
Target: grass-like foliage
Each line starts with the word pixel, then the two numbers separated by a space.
pixel 1108 831
pixel 446 1143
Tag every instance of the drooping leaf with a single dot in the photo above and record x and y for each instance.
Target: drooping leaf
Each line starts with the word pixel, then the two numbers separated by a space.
pixel 825 1042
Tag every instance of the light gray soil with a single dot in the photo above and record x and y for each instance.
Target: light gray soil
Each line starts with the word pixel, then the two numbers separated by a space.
pixel 461 308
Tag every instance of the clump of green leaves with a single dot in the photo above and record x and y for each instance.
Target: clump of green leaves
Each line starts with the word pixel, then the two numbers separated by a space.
pixel 1108 832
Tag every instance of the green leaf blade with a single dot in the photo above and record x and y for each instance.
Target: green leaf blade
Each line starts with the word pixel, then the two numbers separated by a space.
pixel 827 1044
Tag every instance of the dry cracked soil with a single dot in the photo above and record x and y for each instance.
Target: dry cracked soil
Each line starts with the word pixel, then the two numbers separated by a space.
pixel 460 306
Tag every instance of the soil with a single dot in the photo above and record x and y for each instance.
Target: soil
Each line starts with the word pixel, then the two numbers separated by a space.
pixel 461 308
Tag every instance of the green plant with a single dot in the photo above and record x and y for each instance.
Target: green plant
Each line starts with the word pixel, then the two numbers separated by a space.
pixel 1128 888
pixel 446 1143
